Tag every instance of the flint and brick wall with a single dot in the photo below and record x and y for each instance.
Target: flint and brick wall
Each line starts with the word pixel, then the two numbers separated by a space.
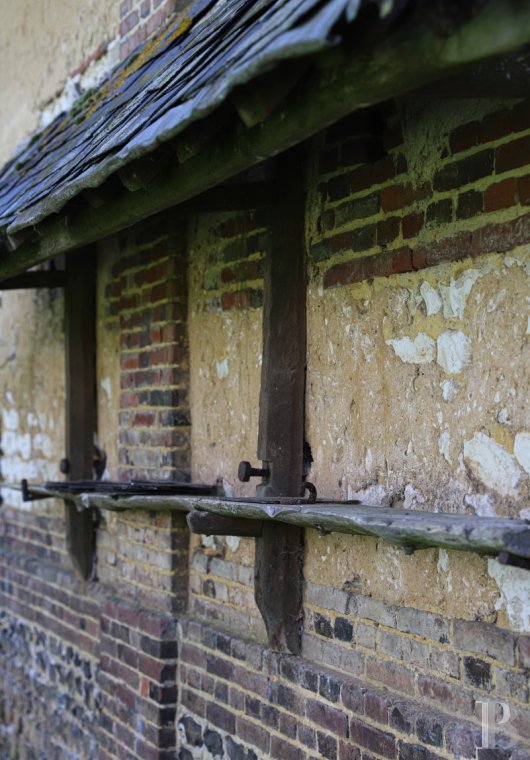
pixel 128 666
pixel 240 700
pixel 88 670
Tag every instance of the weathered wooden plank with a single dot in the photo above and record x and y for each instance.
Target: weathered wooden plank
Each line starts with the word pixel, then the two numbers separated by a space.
pixel 278 566
pixel 53 278
pixel 420 530
pixel 340 81
pixel 80 401
pixel 482 535
pixel 208 524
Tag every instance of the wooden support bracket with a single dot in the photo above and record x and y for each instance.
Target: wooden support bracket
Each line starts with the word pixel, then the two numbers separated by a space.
pixel 208 524
pixel 53 278
pixel 80 340
pixel 279 550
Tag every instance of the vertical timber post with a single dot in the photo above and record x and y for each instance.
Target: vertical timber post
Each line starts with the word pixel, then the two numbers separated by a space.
pixel 279 550
pixel 80 401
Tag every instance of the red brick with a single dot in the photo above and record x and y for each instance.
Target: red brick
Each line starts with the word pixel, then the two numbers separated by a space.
pixel 401 261
pixel 464 137
pixel 497 238
pixel 282 750
pixel 327 717
pixel 377 741
pixel 396 197
pixel 501 195
pixel 451 249
pixel 523 189
pixel 253 734
pixel 387 230
pixel 349 751
pixel 411 225
pixel 221 717
pixel 342 242
pixel 360 179
pixel 465 171
pixel 469 204
pixel 376 707
pixel 383 170
pixel 128 23
pixel 390 674
pixel 496 125
pixel 512 155
pixel 448 695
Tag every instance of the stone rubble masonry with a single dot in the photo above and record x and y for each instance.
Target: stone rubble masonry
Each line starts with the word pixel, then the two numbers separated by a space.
pixel 376 222
pixel 240 700
pixel 84 673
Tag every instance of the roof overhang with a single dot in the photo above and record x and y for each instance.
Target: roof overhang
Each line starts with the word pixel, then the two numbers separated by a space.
pixel 323 87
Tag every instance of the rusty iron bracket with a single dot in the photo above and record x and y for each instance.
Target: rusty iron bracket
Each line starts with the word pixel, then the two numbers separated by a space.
pixel 27 496
pixel 285 500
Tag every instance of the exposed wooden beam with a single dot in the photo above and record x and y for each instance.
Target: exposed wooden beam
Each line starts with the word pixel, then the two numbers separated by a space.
pixel 80 401
pixel 341 80
pixel 278 565
pixel 54 278
pixel 502 77
pixel 234 196
pixel 208 524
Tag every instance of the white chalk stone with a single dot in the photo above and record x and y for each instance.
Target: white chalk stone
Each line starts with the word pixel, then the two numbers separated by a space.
pixel 449 389
pixel 433 302
pixel 421 350
pixel 444 442
pixel 521 449
pixel 492 464
pixel 454 351
pixel 515 593
pixel 222 369
pixel 455 295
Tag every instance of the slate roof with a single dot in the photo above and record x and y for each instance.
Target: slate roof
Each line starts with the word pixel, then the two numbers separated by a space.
pixel 172 81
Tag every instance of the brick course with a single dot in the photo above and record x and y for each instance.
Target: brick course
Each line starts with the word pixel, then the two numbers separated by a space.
pixel 376 222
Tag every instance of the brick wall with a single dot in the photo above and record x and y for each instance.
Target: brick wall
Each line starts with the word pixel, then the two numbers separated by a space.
pixel 377 679
pixel 139 19
pixel 147 295
pixel 89 669
pixel 239 700
pixel 376 221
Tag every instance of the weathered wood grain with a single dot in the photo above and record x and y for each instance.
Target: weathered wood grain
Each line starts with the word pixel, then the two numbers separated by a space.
pixel 80 401
pixel 419 530
pixel 209 524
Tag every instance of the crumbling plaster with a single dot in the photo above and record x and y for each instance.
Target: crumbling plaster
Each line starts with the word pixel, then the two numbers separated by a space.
pixel 31 389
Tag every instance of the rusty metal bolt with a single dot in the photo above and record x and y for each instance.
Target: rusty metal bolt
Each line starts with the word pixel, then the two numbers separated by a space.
pixel 64 466
pixel 245 471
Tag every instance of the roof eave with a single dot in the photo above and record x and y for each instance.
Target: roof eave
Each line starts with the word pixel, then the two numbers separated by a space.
pixel 339 82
